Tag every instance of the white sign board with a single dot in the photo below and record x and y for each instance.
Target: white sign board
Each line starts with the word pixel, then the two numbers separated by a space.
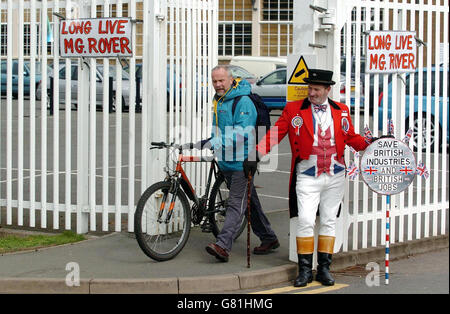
pixel 391 52
pixel 388 166
pixel 97 38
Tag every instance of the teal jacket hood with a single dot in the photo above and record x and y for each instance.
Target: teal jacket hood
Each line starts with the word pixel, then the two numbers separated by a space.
pixel 239 88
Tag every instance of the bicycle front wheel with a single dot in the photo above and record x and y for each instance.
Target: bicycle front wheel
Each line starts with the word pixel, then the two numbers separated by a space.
pixel 162 228
pixel 218 208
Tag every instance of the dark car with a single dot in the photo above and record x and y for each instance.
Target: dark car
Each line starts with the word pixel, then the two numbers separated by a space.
pixel 15 77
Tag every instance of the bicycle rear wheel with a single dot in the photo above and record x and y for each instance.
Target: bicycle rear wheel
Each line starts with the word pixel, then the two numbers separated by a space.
pixel 162 238
pixel 218 206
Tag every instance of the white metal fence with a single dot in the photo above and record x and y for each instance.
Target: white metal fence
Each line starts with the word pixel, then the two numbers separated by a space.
pixel 89 164
pixel 419 100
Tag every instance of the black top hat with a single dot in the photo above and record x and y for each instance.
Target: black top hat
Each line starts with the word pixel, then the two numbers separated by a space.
pixel 322 77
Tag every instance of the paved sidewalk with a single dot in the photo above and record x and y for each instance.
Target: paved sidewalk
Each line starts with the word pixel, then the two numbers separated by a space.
pixel 116 258
pixel 115 264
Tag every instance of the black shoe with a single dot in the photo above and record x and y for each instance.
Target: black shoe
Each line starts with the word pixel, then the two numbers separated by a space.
pixel 323 269
pixel 305 275
pixel 266 248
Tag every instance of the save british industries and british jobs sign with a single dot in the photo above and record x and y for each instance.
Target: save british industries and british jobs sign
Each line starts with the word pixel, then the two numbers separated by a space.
pixel 97 38
pixel 391 52
pixel 388 166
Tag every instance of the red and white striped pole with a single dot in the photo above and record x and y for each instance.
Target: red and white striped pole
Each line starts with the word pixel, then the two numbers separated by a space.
pixel 386 274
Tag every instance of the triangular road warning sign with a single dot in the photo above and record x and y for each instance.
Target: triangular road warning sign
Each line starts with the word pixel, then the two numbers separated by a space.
pixel 300 73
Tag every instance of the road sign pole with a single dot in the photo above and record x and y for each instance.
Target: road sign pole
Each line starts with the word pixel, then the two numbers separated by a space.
pixel 387 167
pixel 388 209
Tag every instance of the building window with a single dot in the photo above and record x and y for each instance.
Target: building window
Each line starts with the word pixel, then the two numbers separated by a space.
pixel 235 27
pixel 276 27
pixel 278 10
pixel 235 39
pixel 4 39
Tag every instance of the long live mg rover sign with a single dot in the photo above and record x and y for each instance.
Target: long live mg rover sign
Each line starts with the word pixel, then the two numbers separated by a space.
pixel 95 38
pixel 388 166
pixel 391 52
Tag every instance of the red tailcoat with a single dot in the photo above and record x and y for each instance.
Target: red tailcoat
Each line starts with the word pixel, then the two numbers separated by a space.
pixel 297 121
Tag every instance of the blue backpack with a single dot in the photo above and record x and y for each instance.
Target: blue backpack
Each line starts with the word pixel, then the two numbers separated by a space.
pixel 263 113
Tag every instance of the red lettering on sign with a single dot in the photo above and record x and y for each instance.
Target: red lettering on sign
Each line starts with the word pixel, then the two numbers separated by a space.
pixel 92 45
pixel 112 27
pixel 100 30
pixel 120 26
pixel 79 45
pixel 377 62
pixel 124 44
pixel 63 26
pixel 380 42
pixel 77 27
pixel 68 44
pixel 401 61
pixel 403 42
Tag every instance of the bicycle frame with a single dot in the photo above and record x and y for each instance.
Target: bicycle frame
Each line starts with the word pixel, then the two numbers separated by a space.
pixel 184 180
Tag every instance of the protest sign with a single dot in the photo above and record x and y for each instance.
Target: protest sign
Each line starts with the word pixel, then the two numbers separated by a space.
pixel 97 38
pixel 391 52
pixel 388 166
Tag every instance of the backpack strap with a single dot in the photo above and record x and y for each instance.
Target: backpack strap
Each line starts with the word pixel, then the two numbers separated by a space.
pixel 235 102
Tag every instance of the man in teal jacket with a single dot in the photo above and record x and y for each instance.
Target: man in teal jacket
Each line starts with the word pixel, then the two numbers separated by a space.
pixel 232 138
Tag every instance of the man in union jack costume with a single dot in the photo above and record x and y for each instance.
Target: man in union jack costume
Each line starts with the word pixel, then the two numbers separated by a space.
pixel 318 130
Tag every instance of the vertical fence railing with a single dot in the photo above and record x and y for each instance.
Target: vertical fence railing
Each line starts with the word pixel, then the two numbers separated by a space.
pixel 419 100
pixel 52 147
pixel 192 27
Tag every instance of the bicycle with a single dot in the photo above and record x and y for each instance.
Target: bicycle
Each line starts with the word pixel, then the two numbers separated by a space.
pixel 164 217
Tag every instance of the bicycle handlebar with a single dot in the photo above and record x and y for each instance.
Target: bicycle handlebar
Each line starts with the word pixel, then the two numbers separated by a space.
pixel 161 145
pixel 158 144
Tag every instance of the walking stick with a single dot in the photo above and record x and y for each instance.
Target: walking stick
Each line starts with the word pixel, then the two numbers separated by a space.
pixel 249 194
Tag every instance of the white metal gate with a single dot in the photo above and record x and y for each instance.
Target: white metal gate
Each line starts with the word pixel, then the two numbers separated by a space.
pixel 337 37
pixel 83 162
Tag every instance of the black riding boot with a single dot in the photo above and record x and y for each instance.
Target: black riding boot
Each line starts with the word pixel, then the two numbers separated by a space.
pixel 305 275
pixel 323 269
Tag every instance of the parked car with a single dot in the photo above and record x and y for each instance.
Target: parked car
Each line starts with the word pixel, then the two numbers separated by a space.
pixel 138 72
pixel 365 91
pixel 240 72
pixel 99 86
pixel 15 77
pixel 434 125
pixel 272 89
pixel 259 66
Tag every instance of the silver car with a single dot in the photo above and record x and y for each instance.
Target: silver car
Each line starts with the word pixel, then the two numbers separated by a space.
pixel 272 89
pixel 99 87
